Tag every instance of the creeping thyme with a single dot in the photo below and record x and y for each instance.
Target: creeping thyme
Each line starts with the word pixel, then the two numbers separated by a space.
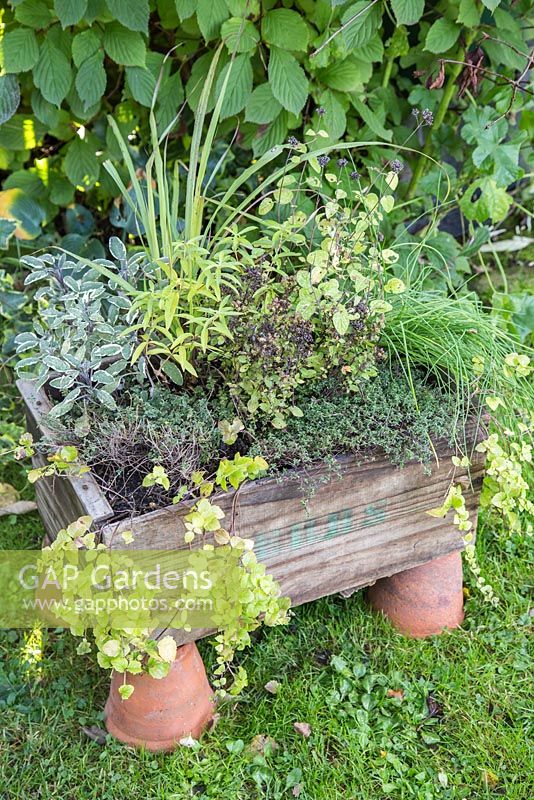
pixel 396 165
pixel 323 160
pixel 354 175
pixel 342 162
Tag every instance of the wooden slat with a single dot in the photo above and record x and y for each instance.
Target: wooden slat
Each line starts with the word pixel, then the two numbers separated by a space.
pixel 367 524
pixel 60 500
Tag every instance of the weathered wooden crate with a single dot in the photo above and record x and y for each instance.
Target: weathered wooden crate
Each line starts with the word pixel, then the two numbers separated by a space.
pixel 367 522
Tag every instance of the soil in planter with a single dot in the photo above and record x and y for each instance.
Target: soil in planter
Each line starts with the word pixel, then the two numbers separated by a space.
pixel 178 430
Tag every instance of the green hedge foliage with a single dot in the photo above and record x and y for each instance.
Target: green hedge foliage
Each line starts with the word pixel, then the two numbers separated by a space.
pixel 67 64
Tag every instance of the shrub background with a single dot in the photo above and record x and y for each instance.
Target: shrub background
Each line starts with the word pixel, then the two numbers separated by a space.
pixel 66 64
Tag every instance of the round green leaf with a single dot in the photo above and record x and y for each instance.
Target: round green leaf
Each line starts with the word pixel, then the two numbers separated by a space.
pixel 126 690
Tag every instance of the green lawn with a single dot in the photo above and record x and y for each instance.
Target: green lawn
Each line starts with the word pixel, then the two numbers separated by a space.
pixel 458 727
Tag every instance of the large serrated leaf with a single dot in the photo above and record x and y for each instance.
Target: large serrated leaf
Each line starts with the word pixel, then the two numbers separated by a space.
pixel 286 29
pixel 33 13
pixel 170 98
pixel 262 106
pixel 141 85
pixel 9 97
pixel 53 73
pixel 408 12
pixel 274 135
pixel 239 35
pixel 84 45
pixel 441 36
pixel 20 50
pixel 371 119
pixel 362 20
pixel 133 14
pixel 288 80
pixel 69 12
pixel 348 75
pixel 239 85
pixel 124 46
pixel 185 8
pixel 334 121
pixel 468 13
pixel 91 79
pixel 20 132
pixel 81 164
pixel 210 16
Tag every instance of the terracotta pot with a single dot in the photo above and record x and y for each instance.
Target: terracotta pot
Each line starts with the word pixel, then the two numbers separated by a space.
pixel 160 712
pixel 424 600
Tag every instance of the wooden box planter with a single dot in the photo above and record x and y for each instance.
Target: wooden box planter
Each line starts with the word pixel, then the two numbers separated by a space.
pixel 369 522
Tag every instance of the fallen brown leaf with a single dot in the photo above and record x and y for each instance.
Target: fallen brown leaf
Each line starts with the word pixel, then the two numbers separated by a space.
pixel 261 743
pixel 437 82
pixel 303 728
pixel 395 693
pixel 95 733
pixel 490 779
pixel 435 709
pixel 214 720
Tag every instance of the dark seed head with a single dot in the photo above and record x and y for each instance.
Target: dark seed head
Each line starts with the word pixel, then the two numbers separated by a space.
pixel 342 162
pixel 320 110
pixel 428 117
pixel 323 160
pixel 396 165
pixel 354 175
pixel 293 141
